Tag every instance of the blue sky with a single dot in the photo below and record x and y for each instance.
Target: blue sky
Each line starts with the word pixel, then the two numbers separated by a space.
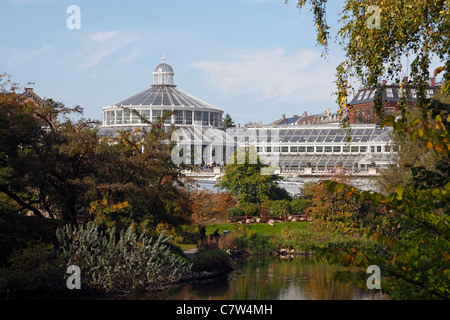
pixel 255 59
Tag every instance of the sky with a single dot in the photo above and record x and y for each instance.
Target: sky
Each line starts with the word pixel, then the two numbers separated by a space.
pixel 254 59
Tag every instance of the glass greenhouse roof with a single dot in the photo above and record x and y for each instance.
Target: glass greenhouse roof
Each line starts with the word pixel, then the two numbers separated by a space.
pixel 164 95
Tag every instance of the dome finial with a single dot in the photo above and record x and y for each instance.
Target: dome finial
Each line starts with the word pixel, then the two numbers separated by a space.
pixel 164 58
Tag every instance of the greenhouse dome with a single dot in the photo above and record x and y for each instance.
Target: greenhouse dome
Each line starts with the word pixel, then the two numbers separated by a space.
pixel 161 98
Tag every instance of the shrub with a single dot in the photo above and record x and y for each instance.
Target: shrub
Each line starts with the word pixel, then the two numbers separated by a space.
pixel 280 207
pixel 299 205
pixel 214 260
pixel 125 262
pixel 235 212
pixel 251 209
pixel 254 243
pixel 34 267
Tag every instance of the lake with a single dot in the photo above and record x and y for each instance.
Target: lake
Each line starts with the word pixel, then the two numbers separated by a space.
pixel 269 278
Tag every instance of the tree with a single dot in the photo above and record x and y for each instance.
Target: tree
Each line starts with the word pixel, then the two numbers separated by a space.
pixel 415 265
pixel 44 160
pixel 247 182
pixel 53 165
pixel 208 206
pixel 228 122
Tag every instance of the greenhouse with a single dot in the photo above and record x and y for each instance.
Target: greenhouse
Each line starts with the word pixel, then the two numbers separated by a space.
pixel 160 99
pixel 293 147
pixel 202 140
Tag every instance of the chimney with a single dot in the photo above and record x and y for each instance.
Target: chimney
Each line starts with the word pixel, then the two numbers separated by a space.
pixel 383 82
pixel 433 82
pixel 295 116
pixel 283 116
pixel 405 80
pixel 305 114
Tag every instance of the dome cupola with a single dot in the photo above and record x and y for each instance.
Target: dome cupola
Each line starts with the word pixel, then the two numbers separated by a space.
pixel 163 74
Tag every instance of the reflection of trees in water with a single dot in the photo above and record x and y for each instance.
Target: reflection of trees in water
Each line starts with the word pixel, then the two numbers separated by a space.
pixel 262 278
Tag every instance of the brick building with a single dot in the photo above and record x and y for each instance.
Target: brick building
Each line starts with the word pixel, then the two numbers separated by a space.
pixel 361 108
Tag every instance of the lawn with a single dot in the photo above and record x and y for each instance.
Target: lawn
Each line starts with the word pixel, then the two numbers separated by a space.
pixel 262 229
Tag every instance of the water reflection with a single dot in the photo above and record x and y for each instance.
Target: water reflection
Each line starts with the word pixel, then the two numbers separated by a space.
pixel 275 279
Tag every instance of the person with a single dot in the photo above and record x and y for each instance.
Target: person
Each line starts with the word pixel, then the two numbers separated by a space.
pixel 201 234
pixel 216 234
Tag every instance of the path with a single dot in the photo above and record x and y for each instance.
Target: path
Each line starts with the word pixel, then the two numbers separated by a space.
pixel 190 253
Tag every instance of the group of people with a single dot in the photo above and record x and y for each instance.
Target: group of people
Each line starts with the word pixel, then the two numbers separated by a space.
pixel 201 235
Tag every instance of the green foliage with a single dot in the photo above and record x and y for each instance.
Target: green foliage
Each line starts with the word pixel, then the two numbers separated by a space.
pixel 299 205
pixel 228 122
pixel 37 266
pixel 249 208
pixel 281 208
pixel 415 230
pixel 255 243
pixel 213 260
pixel 246 179
pixel 53 166
pixel 119 262
pixel 235 212
pixel 17 231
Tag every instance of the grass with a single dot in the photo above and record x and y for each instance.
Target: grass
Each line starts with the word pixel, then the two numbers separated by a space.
pixel 293 235
pixel 262 229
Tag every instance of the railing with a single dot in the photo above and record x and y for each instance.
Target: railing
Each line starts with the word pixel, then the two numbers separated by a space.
pixel 292 171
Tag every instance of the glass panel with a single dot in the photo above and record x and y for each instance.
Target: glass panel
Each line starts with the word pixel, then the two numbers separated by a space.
pixel 355 148
pixel 301 149
pixel 284 149
pixel 319 149
pixel 294 149
pixel 327 149
pixel 309 149
pixel 156 115
pixel 205 118
pixel 188 115
pixel 134 117
pixel 126 116
pixel 146 114
pixel 198 117
pixel 110 119
pixel 363 149
pixel 169 119
pixel 336 149
pixel 119 117
pixel 179 117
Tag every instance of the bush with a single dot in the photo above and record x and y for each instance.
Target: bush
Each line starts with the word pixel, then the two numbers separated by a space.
pixel 280 208
pixel 125 262
pixel 235 212
pixel 214 260
pixel 255 243
pixel 251 209
pixel 34 267
pixel 299 205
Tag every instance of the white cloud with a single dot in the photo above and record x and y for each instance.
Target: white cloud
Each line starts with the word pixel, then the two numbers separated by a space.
pixel 271 74
pixel 104 44
pixel 20 57
pixel 102 37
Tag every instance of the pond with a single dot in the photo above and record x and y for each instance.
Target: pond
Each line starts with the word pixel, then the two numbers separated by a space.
pixel 272 278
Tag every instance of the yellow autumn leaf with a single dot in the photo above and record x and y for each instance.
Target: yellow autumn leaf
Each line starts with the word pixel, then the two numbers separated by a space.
pixel 439 147
pixel 429 145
